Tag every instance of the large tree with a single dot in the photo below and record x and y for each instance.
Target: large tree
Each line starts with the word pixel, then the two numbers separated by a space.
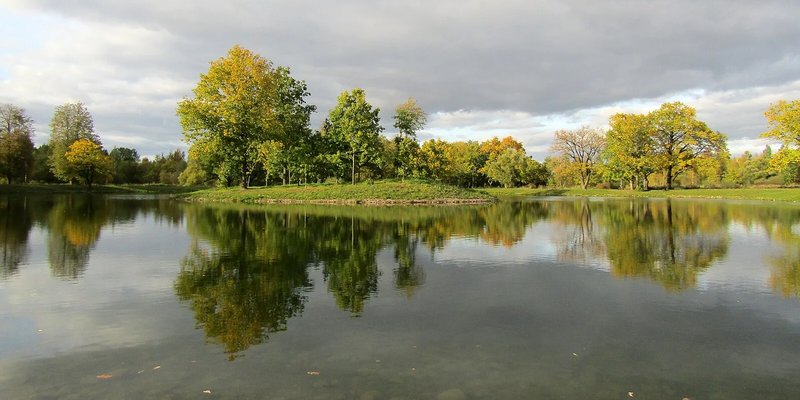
pixel 235 108
pixel 354 127
pixel 71 122
pixel 679 139
pixel 580 147
pixel 783 119
pixel 16 146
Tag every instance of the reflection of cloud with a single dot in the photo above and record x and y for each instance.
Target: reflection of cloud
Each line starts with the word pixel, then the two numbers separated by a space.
pixel 128 280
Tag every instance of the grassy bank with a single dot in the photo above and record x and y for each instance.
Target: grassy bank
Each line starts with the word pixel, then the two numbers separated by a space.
pixel 34 188
pixel 381 192
pixel 770 194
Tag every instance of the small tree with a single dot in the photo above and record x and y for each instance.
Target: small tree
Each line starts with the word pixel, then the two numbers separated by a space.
pixel 16 146
pixel 354 127
pixel 88 162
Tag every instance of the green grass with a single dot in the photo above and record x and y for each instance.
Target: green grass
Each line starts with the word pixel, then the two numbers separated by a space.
pixel 770 194
pixel 380 192
pixel 37 188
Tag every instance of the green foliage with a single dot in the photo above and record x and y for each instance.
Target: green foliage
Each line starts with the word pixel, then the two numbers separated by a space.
pixel 513 167
pixel 354 132
pixel 71 122
pixel 40 171
pixel 125 164
pixel 409 118
pixel 235 108
pixel 783 119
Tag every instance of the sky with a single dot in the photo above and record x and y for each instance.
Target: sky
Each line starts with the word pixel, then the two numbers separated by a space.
pixel 478 68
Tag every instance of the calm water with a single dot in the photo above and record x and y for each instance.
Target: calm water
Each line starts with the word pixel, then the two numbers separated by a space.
pixel 130 298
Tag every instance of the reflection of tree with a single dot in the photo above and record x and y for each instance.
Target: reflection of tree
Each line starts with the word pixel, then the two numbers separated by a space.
pixel 252 280
pixel 782 224
pixel 407 275
pixel 577 235
pixel 506 222
pixel 74 224
pixel 15 224
pixel 349 266
pixel 668 242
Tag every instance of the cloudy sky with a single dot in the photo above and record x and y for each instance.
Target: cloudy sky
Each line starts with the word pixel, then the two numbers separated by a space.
pixel 479 68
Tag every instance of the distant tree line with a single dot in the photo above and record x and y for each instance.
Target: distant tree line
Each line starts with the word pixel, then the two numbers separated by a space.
pixel 249 124
pixel 74 153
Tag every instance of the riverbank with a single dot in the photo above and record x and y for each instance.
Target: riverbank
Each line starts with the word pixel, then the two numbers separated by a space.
pixel 768 194
pixel 52 188
pixel 380 192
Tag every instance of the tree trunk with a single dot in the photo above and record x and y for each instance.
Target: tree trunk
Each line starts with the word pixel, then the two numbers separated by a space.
pixel 669 178
pixel 353 175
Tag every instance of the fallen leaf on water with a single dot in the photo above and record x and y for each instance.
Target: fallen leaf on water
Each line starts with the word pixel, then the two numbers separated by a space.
pixel 630 394
pixel 140 372
pixel 156 367
pixel 207 391
pixel 104 376
pixel 312 372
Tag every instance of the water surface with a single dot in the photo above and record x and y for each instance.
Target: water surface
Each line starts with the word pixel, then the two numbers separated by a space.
pixel 125 297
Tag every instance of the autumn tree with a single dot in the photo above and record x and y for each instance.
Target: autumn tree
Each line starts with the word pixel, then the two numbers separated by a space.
pixel 234 108
pixel 16 145
pixel 354 129
pixel 679 139
pixel 88 162
pixel 783 121
pixel 629 149
pixel 580 147
pixel 71 122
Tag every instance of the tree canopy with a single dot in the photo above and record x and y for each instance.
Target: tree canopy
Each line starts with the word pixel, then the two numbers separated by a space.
pixel 71 122
pixel 354 129
pixel 235 108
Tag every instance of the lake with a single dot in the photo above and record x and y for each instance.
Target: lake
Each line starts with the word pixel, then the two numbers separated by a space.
pixel 126 297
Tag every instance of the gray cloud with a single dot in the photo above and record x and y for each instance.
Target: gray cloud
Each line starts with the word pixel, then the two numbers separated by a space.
pixel 131 61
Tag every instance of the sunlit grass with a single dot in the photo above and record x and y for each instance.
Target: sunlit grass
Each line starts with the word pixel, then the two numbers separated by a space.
pixel 408 191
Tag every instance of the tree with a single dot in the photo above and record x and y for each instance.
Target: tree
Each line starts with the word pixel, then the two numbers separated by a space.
pixel 409 118
pixel 355 129
pixel 16 146
pixel 87 161
pixel 235 108
pixel 783 120
pixel 71 122
pixel 125 163
pixel 40 171
pixel 580 147
pixel 629 149
pixel 679 138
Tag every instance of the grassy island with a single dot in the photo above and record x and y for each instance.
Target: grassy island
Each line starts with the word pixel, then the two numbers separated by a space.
pixel 379 192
